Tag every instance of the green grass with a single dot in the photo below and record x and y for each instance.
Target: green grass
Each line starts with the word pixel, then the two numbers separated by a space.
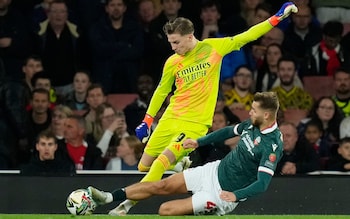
pixel 66 216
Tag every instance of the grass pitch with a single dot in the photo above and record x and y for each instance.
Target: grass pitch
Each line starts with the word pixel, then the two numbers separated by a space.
pixel 67 216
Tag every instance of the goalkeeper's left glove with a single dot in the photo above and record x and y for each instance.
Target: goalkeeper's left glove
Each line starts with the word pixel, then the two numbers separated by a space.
pixel 143 131
pixel 286 9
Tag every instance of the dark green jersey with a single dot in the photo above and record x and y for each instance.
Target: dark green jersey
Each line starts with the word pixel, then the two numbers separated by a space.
pixel 248 169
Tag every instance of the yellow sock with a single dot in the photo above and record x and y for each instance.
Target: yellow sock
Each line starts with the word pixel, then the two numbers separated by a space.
pixel 143 168
pixel 159 166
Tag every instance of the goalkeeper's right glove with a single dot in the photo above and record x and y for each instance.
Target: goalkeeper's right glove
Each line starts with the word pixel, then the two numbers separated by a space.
pixel 143 131
pixel 286 9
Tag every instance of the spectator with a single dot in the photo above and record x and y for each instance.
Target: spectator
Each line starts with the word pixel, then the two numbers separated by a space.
pixel 328 55
pixel 248 10
pixel 240 97
pixel 31 66
pixel 262 12
pixel 59 114
pixel 341 161
pixel 76 99
pixel 128 154
pixel 328 114
pixel 60 43
pixel 40 12
pixel 84 155
pixel 146 12
pixel 210 17
pixel 298 156
pixel 161 48
pixel 135 111
pixel 42 80
pixel 117 46
pixel 300 36
pixel 313 135
pixel 109 128
pixel 341 79
pixel 191 10
pixel 95 96
pixel 267 73
pixel 13 123
pixel 257 49
pixel 44 163
pixel 290 95
pixel 16 40
pixel 39 117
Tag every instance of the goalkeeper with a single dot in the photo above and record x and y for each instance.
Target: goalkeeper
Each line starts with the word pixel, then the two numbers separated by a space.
pixel 195 70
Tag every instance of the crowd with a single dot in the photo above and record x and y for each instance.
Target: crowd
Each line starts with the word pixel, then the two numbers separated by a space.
pixel 61 59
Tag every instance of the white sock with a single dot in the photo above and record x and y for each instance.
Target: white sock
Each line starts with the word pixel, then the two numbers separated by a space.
pixel 109 197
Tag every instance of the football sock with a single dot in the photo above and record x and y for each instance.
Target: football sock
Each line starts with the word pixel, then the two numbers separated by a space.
pixel 118 195
pixel 159 166
pixel 109 197
pixel 143 168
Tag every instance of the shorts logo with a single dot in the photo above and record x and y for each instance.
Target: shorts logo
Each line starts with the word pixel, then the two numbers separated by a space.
pixel 209 209
pixel 272 157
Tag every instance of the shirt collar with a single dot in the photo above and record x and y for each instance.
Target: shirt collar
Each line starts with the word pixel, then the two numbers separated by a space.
pixel 270 128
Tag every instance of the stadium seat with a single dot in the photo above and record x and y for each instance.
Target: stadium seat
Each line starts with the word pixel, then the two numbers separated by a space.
pixel 294 115
pixel 120 101
pixel 318 86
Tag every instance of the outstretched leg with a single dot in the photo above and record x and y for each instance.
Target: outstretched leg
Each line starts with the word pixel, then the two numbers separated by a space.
pixel 174 184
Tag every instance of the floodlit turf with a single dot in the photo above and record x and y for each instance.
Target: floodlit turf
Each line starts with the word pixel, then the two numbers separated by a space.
pixel 66 216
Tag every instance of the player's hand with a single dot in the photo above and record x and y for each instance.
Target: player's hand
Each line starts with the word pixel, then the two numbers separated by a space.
pixel 228 196
pixel 190 143
pixel 143 131
pixel 286 9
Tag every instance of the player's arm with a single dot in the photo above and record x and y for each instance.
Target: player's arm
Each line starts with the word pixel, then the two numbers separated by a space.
pixel 212 138
pixel 257 187
pixel 260 29
pixel 266 170
pixel 162 91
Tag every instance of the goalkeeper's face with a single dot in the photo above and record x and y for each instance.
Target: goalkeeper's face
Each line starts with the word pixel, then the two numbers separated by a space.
pixel 181 44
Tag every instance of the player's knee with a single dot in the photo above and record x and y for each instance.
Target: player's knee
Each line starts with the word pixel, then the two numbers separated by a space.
pixel 161 187
pixel 165 209
pixel 143 168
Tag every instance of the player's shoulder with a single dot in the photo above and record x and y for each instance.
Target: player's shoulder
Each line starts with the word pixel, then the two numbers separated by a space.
pixel 274 141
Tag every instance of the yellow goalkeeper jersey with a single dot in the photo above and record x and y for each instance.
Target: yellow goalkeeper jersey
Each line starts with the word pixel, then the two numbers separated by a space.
pixel 196 76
